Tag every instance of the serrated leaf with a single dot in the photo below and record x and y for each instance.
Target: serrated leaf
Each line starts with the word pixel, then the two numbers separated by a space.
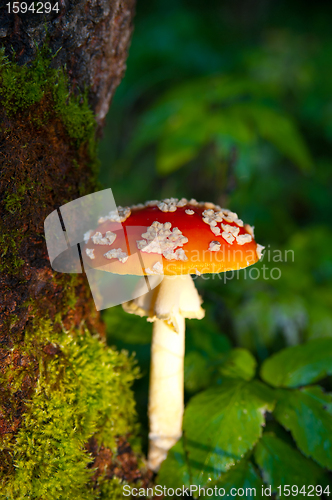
pixel 299 365
pixel 240 364
pixel 222 424
pixel 283 465
pixel 174 471
pixel 303 413
pixel 243 475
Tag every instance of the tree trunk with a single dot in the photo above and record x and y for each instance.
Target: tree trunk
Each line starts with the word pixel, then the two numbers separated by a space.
pixel 58 74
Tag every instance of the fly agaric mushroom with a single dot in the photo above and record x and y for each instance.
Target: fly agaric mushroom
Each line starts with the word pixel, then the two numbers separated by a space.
pixel 180 238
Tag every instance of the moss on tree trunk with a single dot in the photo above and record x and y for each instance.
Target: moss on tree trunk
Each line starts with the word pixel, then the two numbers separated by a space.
pixel 67 410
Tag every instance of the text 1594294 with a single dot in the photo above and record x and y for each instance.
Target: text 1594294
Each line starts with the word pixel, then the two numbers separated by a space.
pixel 33 7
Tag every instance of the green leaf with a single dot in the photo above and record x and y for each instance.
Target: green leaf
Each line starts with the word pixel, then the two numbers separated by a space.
pixel 239 363
pixel 281 132
pixel 303 413
pixel 206 348
pixel 222 424
pixel 283 465
pixel 174 471
pixel 177 150
pixel 243 475
pixel 299 365
pixel 197 372
pixel 200 371
pixel 184 134
pixel 232 125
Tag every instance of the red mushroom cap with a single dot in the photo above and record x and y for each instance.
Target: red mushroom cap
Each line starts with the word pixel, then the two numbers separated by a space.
pixel 171 237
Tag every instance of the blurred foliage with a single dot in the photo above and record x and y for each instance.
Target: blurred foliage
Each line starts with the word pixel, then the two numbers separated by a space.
pixel 232 103
pixel 228 113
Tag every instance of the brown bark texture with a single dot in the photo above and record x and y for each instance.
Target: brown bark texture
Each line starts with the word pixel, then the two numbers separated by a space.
pixel 89 40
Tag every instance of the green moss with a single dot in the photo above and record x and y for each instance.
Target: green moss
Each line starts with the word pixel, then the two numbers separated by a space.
pixel 112 490
pixel 8 245
pixel 13 200
pixel 23 86
pixel 40 95
pixel 83 391
pixel 75 113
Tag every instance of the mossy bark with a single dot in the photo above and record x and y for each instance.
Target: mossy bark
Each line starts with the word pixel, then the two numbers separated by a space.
pixel 57 77
pixel 90 39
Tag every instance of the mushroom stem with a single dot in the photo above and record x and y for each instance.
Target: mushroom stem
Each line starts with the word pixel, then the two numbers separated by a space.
pixel 166 389
pixel 167 305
